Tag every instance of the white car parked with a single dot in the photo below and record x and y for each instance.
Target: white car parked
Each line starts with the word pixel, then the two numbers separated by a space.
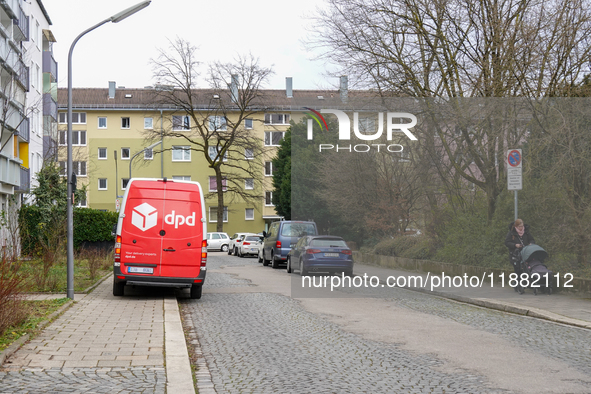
pixel 250 245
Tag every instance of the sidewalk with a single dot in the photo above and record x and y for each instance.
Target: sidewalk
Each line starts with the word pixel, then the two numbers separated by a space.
pixel 560 307
pixel 104 343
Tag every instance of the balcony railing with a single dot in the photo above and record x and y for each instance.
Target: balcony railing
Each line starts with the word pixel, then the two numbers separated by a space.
pixel 23 75
pixel 11 7
pixel 24 130
pixel 25 181
pixel 10 170
pixel 21 26
pixel 49 65
pixel 49 106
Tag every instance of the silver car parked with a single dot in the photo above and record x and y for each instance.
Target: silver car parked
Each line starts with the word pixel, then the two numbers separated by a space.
pixel 218 241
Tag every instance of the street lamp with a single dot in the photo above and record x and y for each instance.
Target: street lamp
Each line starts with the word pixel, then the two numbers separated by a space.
pixel 143 150
pixel 69 173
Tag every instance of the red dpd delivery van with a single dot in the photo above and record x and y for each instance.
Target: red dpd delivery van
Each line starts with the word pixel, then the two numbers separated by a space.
pixel 161 236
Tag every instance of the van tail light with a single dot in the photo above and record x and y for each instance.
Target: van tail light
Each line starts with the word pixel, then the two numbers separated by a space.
pixel 204 252
pixel 278 244
pixel 246 243
pixel 346 251
pixel 118 249
pixel 313 251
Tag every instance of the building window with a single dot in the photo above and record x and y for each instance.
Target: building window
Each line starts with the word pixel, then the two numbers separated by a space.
pixel 268 198
pixel 273 138
pixel 248 123
pixel 213 153
pixel 213 184
pixel 82 203
pixel 180 123
pixel 102 184
pixel 102 122
pixel 249 154
pixel 218 123
pixel 77 117
pixel 125 123
pixel 79 168
pixel 124 182
pixel 102 153
pixel 249 184
pixel 148 123
pixel 181 178
pixel 213 214
pixel 269 168
pixel 181 153
pixel 124 153
pixel 148 154
pixel 277 119
pixel 249 214
pixel 78 137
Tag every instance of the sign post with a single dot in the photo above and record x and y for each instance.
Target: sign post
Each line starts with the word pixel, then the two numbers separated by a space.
pixel 514 173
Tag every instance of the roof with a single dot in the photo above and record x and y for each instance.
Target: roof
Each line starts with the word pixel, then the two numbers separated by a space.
pixel 44 11
pixel 148 99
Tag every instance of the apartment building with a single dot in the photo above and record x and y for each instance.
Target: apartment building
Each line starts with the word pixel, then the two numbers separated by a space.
pixel 25 48
pixel 109 135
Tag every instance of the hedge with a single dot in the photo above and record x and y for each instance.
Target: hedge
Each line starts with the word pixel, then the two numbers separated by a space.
pixel 90 225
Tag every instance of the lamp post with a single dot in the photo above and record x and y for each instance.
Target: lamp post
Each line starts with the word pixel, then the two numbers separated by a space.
pixel 70 212
pixel 143 150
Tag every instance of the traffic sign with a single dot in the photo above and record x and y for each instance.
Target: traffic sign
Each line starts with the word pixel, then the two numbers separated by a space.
pixel 514 166
pixel 514 158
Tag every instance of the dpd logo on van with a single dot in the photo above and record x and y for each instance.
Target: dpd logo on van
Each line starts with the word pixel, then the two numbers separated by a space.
pixel 394 124
pixel 144 216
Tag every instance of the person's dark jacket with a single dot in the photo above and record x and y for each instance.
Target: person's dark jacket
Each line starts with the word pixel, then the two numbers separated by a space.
pixel 512 238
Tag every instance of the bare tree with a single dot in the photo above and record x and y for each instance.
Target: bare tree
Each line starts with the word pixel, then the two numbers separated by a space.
pixel 212 120
pixel 461 48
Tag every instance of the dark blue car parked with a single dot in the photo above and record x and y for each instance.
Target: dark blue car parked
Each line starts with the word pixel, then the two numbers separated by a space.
pixel 321 253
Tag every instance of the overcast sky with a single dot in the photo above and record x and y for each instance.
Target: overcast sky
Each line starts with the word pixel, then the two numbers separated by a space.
pixel 120 52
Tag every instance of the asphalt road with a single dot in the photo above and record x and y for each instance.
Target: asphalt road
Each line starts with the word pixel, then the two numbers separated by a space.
pixel 256 338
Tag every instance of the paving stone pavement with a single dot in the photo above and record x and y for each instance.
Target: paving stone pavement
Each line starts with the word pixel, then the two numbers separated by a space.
pixel 100 344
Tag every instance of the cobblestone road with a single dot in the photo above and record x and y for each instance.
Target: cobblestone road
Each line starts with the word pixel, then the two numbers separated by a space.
pixel 268 343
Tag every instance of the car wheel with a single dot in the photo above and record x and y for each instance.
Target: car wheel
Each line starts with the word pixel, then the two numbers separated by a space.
pixel 196 291
pixel 235 252
pixel 289 265
pixel 240 254
pixel 260 257
pixel 118 288
pixel 274 263
pixel 229 251
pixel 303 272
pixel 224 248
pixel 265 261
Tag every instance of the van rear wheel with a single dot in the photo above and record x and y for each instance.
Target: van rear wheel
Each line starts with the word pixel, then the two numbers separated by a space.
pixel 118 288
pixel 274 263
pixel 196 291
pixel 265 261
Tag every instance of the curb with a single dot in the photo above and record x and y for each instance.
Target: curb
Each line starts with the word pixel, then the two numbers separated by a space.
pixel 10 350
pixel 504 307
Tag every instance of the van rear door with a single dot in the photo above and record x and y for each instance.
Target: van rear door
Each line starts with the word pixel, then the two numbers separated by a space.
pixel 140 233
pixel 182 230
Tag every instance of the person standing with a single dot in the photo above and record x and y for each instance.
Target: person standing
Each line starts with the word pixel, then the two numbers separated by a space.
pixel 518 237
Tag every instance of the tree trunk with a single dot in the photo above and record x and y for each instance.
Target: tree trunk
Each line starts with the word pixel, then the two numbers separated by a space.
pixel 220 191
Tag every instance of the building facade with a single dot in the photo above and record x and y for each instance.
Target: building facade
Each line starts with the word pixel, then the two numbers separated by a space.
pixel 25 44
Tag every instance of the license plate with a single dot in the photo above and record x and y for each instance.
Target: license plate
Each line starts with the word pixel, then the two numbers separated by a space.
pixel 331 255
pixel 141 270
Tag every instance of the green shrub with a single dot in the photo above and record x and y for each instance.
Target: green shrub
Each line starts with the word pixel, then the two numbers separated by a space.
pixel 91 225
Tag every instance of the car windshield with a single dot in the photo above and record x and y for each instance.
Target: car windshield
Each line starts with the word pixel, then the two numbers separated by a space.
pixel 298 229
pixel 253 238
pixel 328 243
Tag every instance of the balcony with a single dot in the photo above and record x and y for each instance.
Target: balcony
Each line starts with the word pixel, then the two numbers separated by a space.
pixel 49 106
pixel 24 130
pixel 22 75
pixel 10 170
pixel 21 26
pixel 49 64
pixel 11 7
pixel 25 183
